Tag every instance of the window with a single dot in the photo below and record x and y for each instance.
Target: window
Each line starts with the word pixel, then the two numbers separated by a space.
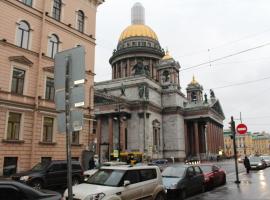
pixel 17 81
pixel 49 94
pixel 57 4
pixel 9 192
pixel 75 137
pixel 148 174
pixel 46 159
pixel 14 123
pixel 197 170
pixel 23 34
pixel 80 21
pixel 48 129
pixel 10 166
pixel 53 45
pixel 56 168
pixel 28 2
pixel 190 171
pixel 132 176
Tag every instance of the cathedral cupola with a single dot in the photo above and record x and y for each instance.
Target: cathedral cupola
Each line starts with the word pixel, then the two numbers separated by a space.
pixel 137 43
pixel 168 71
pixel 194 91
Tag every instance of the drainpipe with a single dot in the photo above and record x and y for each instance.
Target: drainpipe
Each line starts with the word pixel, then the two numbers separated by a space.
pixel 42 33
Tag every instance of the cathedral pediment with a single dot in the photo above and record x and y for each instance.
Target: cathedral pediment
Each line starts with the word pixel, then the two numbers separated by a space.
pixel 216 106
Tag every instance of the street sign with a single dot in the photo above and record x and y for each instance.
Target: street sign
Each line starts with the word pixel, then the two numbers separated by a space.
pixel 241 128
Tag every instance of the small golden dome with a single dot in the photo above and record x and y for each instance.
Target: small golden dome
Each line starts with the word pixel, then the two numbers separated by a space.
pixel 138 30
pixel 167 56
pixel 193 82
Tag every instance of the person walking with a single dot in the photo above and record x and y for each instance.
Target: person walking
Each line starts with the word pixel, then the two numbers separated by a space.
pixel 247 164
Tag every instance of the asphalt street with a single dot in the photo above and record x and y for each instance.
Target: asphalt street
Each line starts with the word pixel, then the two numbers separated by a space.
pixel 253 186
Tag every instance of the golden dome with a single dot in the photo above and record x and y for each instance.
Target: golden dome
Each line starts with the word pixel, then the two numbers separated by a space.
pixel 138 30
pixel 167 56
pixel 193 82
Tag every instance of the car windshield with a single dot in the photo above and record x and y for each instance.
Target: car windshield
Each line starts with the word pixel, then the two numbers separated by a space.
pixel 174 172
pixel 255 159
pixel 206 168
pixel 266 157
pixel 40 166
pixel 107 177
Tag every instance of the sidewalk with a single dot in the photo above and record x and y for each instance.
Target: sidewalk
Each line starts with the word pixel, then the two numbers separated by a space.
pixel 253 186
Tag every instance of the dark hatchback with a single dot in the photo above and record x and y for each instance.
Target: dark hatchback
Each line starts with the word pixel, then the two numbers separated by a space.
pixel 213 175
pixel 183 180
pixel 48 174
pixel 13 190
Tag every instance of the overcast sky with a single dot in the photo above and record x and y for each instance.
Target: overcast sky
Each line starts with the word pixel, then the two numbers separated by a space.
pixel 196 31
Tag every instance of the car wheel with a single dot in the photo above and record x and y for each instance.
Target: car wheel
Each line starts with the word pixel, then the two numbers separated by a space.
pixel 224 180
pixel 160 196
pixel 182 194
pixel 203 188
pixel 75 181
pixel 37 184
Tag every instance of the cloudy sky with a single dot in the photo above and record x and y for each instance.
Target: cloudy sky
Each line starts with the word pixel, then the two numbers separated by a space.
pixel 199 31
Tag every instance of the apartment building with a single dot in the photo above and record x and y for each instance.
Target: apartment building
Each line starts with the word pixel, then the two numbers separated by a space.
pixel 31 33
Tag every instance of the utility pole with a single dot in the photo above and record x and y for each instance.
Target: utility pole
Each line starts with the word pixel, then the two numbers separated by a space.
pixel 119 131
pixel 234 148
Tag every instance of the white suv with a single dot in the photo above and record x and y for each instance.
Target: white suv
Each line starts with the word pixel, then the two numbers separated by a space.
pixel 122 183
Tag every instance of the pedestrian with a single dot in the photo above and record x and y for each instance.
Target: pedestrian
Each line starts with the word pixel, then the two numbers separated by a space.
pixel 91 163
pixel 247 164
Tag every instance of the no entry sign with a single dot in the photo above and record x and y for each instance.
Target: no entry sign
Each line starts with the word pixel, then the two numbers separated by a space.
pixel 241 128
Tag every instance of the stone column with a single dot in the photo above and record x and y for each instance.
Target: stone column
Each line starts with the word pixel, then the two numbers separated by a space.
pixel 196 134
pixel 187 150
pixel 110 134
pixel 98 135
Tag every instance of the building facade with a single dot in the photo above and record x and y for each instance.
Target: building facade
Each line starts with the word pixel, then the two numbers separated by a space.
pixel 142 109
pixel 31 33
pixel 246 144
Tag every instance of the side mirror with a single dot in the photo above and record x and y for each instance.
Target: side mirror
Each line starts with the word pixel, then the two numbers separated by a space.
pixel 126 183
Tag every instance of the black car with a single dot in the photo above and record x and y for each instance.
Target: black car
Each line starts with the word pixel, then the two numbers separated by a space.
pixel 47 174
pixel 183 180
pixel 13 190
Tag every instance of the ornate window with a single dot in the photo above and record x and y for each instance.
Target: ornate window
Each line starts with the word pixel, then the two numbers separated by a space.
pixel 156 135
pixel 53 45
pixel 48 129
pixel 14 123
pixel 81 19
pixel 17 84
pixel 23 32
pixel 49 94
pixel 57 5
pixel 28 2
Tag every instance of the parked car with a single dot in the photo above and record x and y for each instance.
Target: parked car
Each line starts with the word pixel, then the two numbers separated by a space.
pixel 213 176
pixel 183 180
pixel 267 160
pixel 13 190
pixel 256 162
pixel 91 172
pixel 47 174
pixel 122 182
pixel 161 163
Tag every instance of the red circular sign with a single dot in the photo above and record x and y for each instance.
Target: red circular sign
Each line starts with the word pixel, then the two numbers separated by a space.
pixel 241 128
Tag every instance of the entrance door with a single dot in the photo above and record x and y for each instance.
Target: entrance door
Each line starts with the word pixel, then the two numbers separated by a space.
pixel 104 153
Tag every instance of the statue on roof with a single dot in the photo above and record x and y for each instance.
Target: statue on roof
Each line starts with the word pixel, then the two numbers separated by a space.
pixel 141 69
pixel 212 94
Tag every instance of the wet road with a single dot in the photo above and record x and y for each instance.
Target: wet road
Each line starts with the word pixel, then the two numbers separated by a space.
pixel 253 186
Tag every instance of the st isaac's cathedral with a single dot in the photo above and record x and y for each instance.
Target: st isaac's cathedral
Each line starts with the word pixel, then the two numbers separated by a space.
pixel 142 109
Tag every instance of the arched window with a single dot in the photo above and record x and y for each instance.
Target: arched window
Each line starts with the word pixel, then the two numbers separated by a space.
pixel 80 21
pixel 57 5
pixel 23 34
pixel 166 76
pixel 53 45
